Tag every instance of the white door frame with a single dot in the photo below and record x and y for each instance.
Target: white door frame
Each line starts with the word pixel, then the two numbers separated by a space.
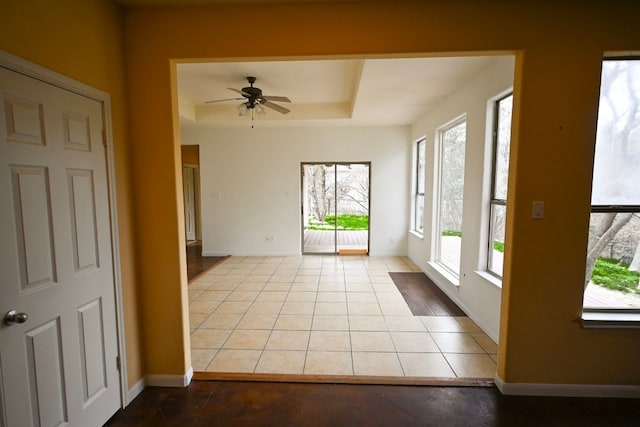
pixel 29 69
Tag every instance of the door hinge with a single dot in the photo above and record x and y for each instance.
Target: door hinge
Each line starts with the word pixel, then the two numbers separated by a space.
pixel 118 363
pixel 104 137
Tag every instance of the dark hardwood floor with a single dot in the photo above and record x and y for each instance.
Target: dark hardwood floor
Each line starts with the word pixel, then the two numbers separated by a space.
pixel 424 297
pixel 229 403
pixel 198 264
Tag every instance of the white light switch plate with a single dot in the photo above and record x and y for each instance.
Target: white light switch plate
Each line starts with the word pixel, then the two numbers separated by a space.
pixel 537 210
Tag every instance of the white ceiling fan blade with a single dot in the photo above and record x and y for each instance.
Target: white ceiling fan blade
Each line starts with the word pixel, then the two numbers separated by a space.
pixel 227 99
pixel 277 98
pixel 278 108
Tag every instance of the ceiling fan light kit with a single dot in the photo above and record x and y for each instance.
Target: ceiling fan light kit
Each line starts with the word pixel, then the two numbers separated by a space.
pixel 255 100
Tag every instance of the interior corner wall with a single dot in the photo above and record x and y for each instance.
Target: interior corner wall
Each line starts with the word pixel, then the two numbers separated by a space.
pixel 250 184
pixel 480 298
pixel 84 40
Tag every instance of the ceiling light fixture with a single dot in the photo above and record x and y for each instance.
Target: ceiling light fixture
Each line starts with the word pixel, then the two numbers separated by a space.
pixel 255 100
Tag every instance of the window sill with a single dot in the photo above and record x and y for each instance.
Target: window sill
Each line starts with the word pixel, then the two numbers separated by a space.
pixel 416 234
pixel 445 273
pixel 611 319
pixel 491 278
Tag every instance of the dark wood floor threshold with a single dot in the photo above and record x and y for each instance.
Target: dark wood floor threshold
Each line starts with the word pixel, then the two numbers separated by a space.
pixel 197 264
pixel 424 297
pixel 345 379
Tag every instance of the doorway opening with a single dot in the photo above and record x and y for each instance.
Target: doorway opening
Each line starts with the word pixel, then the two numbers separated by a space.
pixel 335 207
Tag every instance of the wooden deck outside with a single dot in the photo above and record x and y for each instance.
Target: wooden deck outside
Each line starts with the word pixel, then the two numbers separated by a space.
pixel 322 241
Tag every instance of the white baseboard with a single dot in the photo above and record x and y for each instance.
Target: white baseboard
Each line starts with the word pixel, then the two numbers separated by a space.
pixel 567 390
pixel 256 253
pixel 386 254
pixel 169 380
pixel 134 391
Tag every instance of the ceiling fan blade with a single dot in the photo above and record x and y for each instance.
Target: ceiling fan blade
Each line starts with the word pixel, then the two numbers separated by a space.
pixel 220 100
pixel 278 108
pixel 277 98
pixel 241 92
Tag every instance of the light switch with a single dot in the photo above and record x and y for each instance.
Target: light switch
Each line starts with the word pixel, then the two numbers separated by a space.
pixel 537 210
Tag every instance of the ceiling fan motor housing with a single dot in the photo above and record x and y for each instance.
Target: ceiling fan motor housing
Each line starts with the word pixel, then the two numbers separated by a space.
pixel 253 94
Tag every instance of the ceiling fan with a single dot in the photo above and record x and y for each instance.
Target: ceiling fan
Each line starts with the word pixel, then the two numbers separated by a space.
pixel 255 100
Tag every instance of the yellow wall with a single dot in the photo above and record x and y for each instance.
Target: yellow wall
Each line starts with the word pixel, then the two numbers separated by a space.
pixel 84 40
pixel 557 78
pixel 558 63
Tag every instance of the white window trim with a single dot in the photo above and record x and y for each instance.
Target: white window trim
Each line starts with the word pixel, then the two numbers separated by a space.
pixel 492 122
pixel 415 193
pixel 437 202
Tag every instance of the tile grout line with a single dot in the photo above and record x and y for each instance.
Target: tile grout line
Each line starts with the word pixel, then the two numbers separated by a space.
pixel 322 271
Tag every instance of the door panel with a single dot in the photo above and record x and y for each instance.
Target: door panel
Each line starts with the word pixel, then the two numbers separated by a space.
pixel 328 191
pixel 60 366
pixel 92 350
pixel 46 374
pixel 34 230
pixel 352 199
pixel 83 224
pixel 318 190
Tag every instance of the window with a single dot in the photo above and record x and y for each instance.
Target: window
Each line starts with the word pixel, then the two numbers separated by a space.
pixel 501 145
pixel 451 186
pixel 613 253
pixel 419 196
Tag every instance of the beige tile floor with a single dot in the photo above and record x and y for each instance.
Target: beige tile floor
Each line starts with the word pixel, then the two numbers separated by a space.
pixel 325 315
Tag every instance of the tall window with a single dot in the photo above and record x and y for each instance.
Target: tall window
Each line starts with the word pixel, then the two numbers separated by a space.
pixel 451 187
pixel 613 254
pixel 501 144
pixel 419 197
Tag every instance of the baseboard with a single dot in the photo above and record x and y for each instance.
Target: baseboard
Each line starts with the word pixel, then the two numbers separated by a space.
pixel 256 253
pixel 134 391
pixel 169 380
pixel 437 276
pixel 374 253
pixel 567 390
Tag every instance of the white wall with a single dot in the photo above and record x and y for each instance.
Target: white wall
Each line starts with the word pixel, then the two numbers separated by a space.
pixel 250 184
pixel 474 292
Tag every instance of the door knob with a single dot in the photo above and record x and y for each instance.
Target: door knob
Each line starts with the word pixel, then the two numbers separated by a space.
pixel 13 316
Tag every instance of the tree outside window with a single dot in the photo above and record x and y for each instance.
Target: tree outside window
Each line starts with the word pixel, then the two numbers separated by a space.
pixel 501 148
pixel 613 254
pixel 419 196
pixel 452 152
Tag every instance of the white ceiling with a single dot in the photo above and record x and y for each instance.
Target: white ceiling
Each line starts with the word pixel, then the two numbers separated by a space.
pixel 372 92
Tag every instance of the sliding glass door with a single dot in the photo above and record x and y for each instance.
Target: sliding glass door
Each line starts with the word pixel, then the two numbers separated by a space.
pixel 335 208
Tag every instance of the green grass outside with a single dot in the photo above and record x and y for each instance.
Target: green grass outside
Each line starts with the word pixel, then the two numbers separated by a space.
pixel 345 222
pixel 613 274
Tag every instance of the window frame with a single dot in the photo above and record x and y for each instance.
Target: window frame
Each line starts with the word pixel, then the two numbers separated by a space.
pixel 419 185
pixel 607 317
pixel 438 194
pixel 493 200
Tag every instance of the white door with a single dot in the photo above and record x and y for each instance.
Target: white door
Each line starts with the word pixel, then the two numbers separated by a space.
pixel 59 367
pixel 189 190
